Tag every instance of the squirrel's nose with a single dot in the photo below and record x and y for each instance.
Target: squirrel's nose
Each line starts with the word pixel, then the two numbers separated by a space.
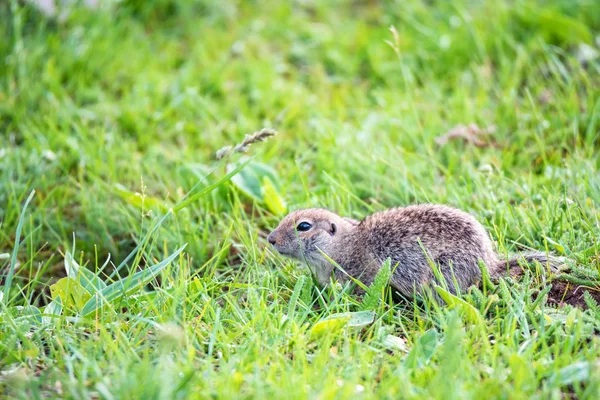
pixel 271 239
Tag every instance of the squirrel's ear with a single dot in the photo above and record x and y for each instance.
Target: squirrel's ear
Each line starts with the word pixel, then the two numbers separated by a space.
pixel 332 228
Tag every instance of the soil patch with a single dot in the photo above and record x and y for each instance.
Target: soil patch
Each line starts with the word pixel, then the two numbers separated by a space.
pixel 570 293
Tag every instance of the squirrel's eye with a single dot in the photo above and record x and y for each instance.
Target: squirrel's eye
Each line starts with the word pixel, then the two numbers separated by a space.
pixel 303 226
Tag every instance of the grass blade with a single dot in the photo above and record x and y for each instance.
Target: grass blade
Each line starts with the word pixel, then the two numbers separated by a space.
pixel 186 201
pixel 13 260
pixel 88 280
pixel 127 285
pixel 456 302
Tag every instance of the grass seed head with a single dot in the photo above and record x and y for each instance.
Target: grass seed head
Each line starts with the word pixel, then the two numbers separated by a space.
pixel 259 136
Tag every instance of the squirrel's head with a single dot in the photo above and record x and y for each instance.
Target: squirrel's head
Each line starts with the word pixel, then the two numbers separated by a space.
pixel 307 234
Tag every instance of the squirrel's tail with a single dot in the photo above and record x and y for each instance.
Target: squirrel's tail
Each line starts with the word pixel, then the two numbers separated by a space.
pixel 512 266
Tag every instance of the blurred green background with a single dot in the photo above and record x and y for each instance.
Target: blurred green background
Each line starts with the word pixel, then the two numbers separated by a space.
pixel 113 112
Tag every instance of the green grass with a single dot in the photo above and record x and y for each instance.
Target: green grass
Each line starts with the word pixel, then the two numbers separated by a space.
pixel 112 116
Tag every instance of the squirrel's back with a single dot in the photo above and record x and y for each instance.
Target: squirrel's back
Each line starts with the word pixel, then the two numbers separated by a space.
pixel 413 237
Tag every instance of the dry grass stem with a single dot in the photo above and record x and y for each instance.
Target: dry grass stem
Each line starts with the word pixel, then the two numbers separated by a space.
pixel 259 136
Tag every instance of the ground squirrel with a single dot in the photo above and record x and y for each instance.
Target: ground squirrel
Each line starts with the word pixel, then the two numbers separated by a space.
pixel 453 239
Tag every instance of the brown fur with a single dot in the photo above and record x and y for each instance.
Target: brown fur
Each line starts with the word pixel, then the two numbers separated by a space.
pixel 452 239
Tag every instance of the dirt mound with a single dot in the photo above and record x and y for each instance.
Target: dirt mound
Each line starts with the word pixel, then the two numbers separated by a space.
pixel 570 293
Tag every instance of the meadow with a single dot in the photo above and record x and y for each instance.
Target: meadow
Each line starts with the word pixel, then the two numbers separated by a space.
pixel 134 261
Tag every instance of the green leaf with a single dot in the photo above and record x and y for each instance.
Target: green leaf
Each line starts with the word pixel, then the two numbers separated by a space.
pixel 334 322
pixel 90 282
pixel 395 342
pixel 53 308
pixel 357 319
pixel 455 302
pixel 190 198
pixel 73 294
pixel 126 285
pixel 325 326
pixel 423 350
pixel 273 200
pixel 29 313
pixel 571 318
pixel 592 304
pixel 376 291
pixel 250 180
pixel 557 246
pixel 577 372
